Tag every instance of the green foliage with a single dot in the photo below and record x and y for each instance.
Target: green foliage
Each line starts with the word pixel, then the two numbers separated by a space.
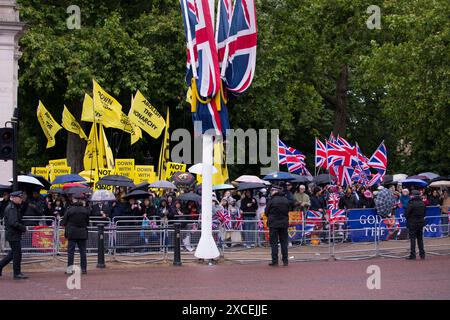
pixel 398 79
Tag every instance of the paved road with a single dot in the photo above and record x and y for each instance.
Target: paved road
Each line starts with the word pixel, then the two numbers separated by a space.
pixel 400 279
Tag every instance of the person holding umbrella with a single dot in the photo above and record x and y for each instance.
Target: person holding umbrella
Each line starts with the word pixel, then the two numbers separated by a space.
pixel 14 228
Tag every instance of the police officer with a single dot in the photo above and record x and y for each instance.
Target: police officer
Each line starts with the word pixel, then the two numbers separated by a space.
pixel 14 228
pixel 76 221
pixel 278 220
pixel 415 219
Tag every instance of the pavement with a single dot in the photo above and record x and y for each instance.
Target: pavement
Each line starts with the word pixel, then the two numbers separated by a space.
pixel 399 280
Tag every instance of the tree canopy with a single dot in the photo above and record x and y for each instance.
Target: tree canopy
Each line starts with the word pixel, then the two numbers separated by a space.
pixel 319 69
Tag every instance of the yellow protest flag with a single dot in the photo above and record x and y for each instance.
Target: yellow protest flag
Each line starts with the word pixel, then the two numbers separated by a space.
pixel 91 176
pixel 92 157
pixel 87 113
pixel 48 124
pixel 136 132
pixel 143 114
pixel 164 155
pixel 221 176
pixel 107 110
pixel 106 151
pixel 71 124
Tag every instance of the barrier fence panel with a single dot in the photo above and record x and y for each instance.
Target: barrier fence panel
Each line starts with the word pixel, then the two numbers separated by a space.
pixel 362 235
pixel 189 242
pixel 40 237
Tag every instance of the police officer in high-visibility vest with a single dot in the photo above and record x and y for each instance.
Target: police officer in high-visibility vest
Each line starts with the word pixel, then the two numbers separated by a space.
pixel 14 228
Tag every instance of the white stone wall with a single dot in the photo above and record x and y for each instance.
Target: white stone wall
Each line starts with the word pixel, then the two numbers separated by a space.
pixel 10 31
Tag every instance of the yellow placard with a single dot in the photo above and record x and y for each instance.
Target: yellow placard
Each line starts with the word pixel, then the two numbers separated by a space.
pixel 58 163
pixel 142 173
pixel 103 186
pixel 59 171
pixel 125 167
pixel 173 167
pixel 41 171
pixel 104 172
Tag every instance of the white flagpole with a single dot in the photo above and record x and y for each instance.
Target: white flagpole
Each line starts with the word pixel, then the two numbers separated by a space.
pixel 207 248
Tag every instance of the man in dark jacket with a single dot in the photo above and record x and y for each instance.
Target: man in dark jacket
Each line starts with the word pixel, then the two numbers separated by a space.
pixel 278 221
pixel 14 228
pixel 76 221
pixel 415 219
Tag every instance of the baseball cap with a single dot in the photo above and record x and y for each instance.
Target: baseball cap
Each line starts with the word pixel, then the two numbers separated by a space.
pixel 16 194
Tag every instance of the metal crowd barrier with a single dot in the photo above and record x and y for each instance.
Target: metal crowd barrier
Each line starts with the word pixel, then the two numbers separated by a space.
pixel 127 240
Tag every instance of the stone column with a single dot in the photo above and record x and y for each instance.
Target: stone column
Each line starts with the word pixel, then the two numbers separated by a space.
pixel 10 31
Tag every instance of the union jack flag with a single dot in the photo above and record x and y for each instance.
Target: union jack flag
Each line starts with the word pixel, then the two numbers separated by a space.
pixel 203 73
pixel 313 217
pixel 362 160
pixel 224 14
pixel 345 175
pixel 321 155
pixel 340 156
pixel 337 215
pixel 294 159
pixel 333 201
pixel 378 160
pixel 241 45
pixel 312 221
pixel 224 217
pixel 376 178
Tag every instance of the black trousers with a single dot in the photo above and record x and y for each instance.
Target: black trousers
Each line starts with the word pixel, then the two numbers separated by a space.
pixel 416 232
pixel 71 253
pixel 280 234
pixel 15 255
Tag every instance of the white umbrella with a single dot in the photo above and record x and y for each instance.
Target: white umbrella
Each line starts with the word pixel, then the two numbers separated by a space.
pixel 251 179
pixel 103 195
pixel 28 180
pixel 429 175
pixel 441 183
pixel 398 177
pixel 198 169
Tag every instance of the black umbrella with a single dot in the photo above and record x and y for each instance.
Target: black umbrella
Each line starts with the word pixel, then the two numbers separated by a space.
pixel 323 178
pixel 137 194
pixel 141 186
pixel 301 179
pixel 42 180
pixel 190 196
pixel 116 180
pixel 183 179
pixel 250 186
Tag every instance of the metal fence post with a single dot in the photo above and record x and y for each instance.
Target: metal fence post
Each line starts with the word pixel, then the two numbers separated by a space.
pixel 101 246
pixel 176 245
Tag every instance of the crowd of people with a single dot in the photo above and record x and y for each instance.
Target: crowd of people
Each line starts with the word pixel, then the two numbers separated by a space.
pixel 235 205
